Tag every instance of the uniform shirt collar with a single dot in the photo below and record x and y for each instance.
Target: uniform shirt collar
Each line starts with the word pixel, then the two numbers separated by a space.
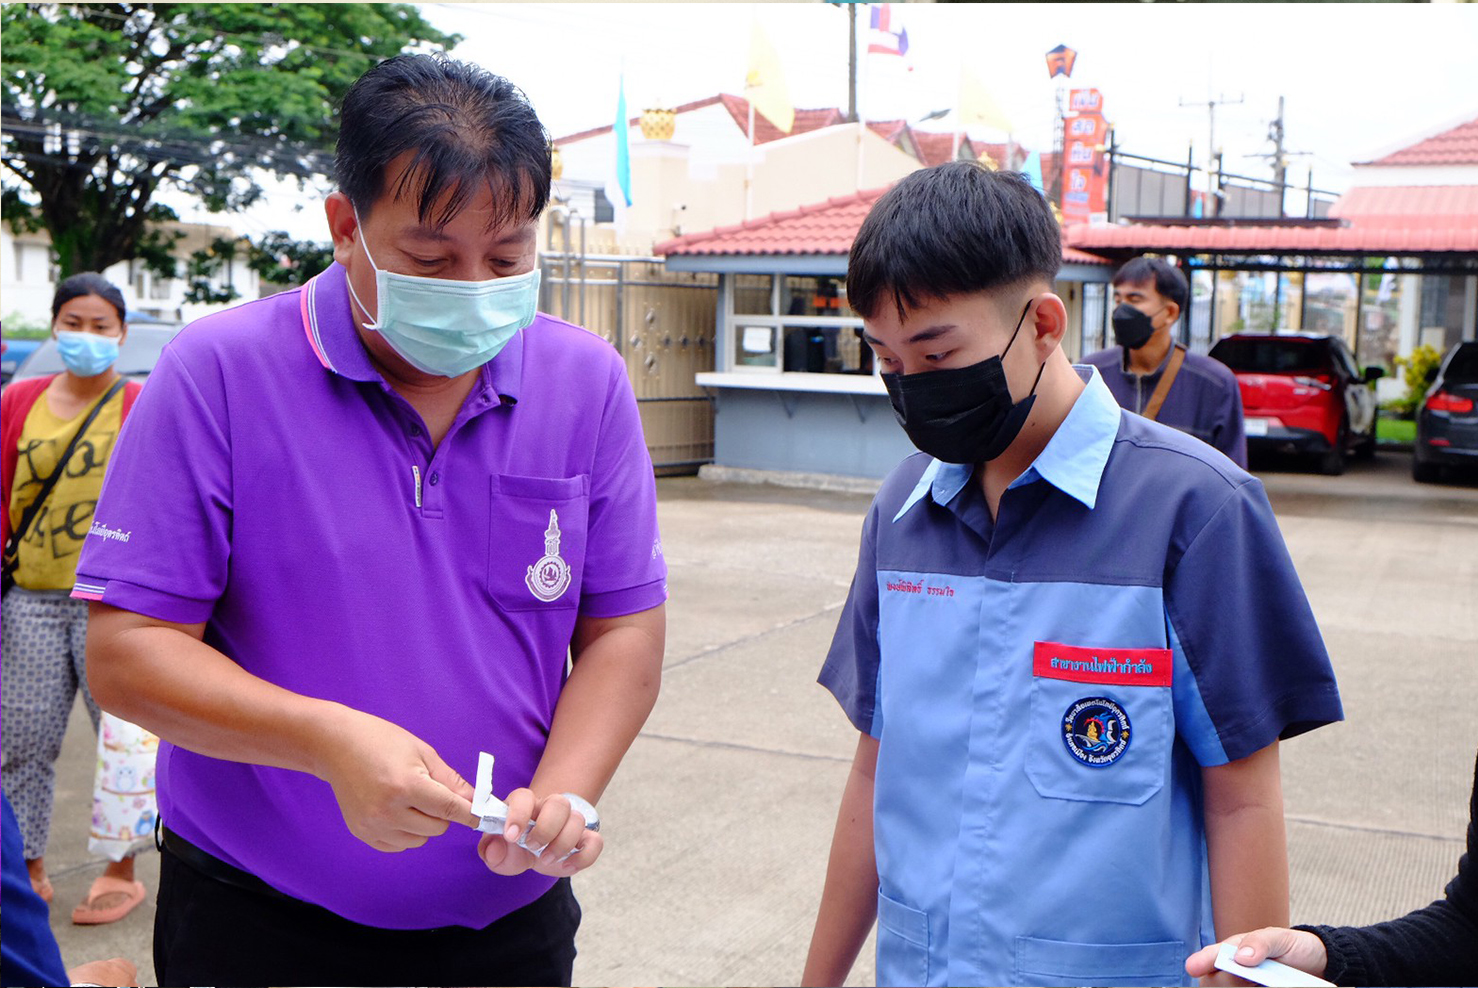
pixel 328 322
pixel 1073 460
pixel 1076 454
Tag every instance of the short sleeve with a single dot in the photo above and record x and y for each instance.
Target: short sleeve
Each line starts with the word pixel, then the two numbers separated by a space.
pixel 1239 619
pixel 160 543
pixel 625 571
pixel 1230 436
pixel 852 664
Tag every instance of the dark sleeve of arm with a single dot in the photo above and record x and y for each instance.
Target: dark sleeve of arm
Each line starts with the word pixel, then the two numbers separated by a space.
pixel 851 669
pixel 1230 433
pixel 1437 945
pixel 1251 644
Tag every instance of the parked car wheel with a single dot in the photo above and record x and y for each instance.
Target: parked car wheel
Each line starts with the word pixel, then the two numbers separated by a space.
pixel 1425 473
pixel 1366 449
pixel 1332 462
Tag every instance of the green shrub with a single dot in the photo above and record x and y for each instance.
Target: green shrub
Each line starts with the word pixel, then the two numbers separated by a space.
pixel 18 327
pixel 1418 370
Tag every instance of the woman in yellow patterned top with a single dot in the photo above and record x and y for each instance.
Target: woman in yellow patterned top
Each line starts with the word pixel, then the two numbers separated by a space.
pixel 44 630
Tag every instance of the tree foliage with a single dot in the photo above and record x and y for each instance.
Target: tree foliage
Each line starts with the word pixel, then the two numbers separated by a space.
pixel 1418 371
pixel 105 105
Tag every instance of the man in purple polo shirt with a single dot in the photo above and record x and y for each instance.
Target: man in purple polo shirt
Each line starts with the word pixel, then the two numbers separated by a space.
pixel 350 538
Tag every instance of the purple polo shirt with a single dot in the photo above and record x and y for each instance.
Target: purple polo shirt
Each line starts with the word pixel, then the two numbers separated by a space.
pixel 271 484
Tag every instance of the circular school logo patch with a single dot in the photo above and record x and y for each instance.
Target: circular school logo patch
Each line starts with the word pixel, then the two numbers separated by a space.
pixel 1096 731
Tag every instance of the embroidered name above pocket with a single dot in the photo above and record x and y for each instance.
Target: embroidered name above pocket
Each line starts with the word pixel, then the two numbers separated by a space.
pixel 1110 666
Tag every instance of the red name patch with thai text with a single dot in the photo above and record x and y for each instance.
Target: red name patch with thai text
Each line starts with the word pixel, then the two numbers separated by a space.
pixel 1116 666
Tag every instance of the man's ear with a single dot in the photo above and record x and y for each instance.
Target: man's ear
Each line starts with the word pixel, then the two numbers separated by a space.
pixel 342 225
pixel 1171 313
pixel 1049 324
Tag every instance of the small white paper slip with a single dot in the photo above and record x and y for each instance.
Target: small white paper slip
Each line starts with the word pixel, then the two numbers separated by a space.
pixel 493 811
pixel 1272 973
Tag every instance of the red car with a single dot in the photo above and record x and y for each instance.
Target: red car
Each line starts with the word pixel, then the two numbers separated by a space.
pixel 1303 394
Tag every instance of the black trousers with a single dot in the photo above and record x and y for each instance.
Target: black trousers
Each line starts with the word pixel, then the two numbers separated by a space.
pixel 212 932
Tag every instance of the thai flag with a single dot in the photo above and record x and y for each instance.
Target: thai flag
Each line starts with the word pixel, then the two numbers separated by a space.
pixel 882 39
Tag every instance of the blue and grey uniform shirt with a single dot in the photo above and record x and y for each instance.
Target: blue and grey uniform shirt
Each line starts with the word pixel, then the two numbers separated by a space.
pixel 1204 399
pixel 1045 689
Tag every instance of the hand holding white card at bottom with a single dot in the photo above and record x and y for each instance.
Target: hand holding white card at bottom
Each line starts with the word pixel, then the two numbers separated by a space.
pixel 1273 973
pixel 494 812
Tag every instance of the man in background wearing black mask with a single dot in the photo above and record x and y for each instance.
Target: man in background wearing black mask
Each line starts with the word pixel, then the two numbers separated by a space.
pixel 1151 374
pixel 1072 644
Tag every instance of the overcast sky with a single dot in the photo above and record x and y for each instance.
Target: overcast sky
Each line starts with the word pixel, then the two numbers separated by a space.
pixel 1359 79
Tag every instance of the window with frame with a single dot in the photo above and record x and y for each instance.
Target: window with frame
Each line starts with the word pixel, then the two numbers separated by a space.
pixel 798 324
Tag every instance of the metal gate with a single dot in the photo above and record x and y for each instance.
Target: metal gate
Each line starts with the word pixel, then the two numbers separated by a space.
pixel 663 325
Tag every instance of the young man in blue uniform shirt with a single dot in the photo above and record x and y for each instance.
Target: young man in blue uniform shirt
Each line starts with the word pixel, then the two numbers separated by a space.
pixel 1197 394
pixel 1073 642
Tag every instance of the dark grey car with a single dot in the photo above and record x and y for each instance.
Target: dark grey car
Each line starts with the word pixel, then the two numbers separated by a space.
pixel 1447 422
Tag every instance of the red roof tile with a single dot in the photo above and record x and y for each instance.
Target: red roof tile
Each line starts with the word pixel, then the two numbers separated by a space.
pixel 888 130
pixel 999 153
pixel 1458 146
pixel 1254 238
pixel 934 148
pixel 825 228
pixel 765 131
pixel 1431 207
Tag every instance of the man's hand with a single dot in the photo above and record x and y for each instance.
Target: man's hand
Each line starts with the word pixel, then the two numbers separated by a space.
pixel 393 789
pixel 116 971
pixel 557 830
pixel 1296 948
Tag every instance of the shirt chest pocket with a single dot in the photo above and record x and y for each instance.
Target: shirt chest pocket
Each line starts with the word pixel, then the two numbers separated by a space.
pixel 536 543
pixel 1102 723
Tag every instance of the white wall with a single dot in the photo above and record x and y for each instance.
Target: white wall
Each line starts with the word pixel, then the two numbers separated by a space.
pixel 27 285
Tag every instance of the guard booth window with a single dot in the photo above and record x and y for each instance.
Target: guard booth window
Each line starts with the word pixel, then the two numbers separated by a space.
pixel 816 342
pixel 798 324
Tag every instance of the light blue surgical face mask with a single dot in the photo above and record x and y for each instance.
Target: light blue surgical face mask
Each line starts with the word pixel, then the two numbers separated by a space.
pixel 86 354
pixel 445 327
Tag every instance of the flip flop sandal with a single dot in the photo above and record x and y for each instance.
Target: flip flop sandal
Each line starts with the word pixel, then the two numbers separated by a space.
pixel 44 889
pixel 133 893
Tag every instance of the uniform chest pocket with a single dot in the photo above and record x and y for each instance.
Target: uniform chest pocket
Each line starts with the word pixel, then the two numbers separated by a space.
pixel 1101 723
pixel 536 543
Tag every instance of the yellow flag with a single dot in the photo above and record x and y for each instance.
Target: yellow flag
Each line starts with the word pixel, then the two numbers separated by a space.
pixel 765 84
pixel 978 107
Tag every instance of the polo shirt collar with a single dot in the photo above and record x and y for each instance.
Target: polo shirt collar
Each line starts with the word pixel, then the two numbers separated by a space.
pixel 1073 460
pixel 1164 362
pixel 1075 456
pixel 328 323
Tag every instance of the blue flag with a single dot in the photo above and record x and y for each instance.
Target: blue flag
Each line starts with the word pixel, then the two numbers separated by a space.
pixel 621 180
pixel 1033 171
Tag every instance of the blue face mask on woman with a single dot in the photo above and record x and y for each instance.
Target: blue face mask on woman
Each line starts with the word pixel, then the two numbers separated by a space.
pixel 86 354
pixel 445 327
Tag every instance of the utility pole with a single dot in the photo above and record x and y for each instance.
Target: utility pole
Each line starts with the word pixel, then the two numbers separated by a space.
pixel 851 56
pixel 1280 155
pixel 1280 163
pixel 1211 105
pixel 852 65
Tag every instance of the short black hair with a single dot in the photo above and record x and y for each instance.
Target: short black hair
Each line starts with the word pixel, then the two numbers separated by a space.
pixel 953 229
pixel 88 283
pixel 1168 279
pixel 466 127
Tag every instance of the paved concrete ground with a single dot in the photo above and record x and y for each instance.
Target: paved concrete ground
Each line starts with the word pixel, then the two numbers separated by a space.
pixel 720 819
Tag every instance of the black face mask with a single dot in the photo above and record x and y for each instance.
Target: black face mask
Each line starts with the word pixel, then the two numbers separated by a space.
pixel 965 414
pixel 1133 328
